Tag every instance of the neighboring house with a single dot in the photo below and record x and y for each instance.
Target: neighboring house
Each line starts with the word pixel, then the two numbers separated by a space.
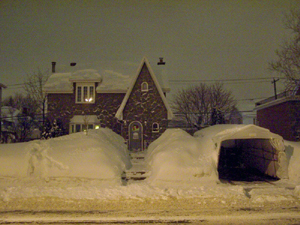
pixel 9 120
pixel 281 115
pixel 135 107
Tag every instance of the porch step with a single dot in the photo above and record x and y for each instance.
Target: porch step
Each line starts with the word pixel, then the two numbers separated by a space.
pixel 138 171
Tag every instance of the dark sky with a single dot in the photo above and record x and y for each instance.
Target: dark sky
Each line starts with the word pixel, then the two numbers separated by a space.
pixel 200 40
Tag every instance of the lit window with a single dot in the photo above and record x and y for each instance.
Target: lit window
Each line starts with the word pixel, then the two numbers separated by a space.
pixel 144 86
pixel 82 127
pixel 155 127
pixel 85 93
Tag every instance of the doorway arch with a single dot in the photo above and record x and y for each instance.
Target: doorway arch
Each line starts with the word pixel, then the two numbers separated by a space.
pixel 135 133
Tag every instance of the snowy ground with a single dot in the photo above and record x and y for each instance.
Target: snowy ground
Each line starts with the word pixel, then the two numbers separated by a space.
pixel 62 180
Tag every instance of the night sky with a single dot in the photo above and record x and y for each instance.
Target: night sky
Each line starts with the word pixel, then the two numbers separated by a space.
pixel 199 40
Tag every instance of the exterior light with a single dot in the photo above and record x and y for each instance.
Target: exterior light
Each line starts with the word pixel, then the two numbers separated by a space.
pixel 97 127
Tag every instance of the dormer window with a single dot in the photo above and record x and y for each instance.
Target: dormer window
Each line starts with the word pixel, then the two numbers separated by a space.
pixel 85 93
pixel 144 86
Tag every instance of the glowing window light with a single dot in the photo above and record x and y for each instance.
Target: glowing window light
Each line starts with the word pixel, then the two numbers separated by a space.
pixel 89 99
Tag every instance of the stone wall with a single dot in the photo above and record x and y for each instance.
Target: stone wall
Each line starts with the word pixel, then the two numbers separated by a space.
pixel 63 106
pixel 146 107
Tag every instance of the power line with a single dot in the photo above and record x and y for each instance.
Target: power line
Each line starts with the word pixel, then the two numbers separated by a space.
pixel 266 79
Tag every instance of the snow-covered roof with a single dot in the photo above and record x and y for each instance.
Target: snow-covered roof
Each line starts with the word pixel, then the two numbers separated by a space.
pixel 59 82
pixel 112 76
pixel 9 113
pixel 114 82
pixel 220 132
pixel 86 75
pixel 119 113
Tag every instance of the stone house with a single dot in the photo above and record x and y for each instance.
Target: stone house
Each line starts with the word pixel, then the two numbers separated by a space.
pixel 134 107
pixel 281 114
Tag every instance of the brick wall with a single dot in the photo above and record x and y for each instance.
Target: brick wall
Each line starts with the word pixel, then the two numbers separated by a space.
pixel 281 119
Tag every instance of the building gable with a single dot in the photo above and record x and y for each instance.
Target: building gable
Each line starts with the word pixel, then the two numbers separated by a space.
pixel 144 77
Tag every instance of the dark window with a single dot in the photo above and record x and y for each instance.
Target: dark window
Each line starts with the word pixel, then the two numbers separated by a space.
pixel 155 127
pixel 144 86
pixel 79 94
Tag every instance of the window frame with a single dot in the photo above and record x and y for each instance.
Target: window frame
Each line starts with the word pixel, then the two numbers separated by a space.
pixel 83 92
pixel 74 127
pixel 144 87
pixel 155 129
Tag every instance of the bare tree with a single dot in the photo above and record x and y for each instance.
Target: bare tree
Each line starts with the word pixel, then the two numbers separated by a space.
pixel 196 104
pixel 34 86
pixel 288 62
pixel 24 122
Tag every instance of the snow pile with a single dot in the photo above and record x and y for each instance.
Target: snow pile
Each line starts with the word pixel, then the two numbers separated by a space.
pixel 101 154
pixel 114 81
pixel 86 75
pixel 271 195
pixel 59 82
pixel 178 157
pixel 292 150
pixel 63 82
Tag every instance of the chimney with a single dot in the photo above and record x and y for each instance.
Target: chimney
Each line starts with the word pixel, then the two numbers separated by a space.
pixel 161 61
pixel 53 67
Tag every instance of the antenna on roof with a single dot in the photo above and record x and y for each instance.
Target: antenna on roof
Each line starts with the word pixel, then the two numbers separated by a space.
pixel 161 61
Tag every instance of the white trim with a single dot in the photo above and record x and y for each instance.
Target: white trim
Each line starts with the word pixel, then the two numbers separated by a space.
pixel 119 113
pixel 82 100
pixel 85 81
pixel 112 91
pixel 58 92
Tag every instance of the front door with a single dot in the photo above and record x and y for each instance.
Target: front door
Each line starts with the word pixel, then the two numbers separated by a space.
pixel 135 136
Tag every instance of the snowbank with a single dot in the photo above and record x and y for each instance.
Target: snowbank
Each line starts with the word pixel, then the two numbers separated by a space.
pixel 178 157
pixel 292 150
pixel 101 154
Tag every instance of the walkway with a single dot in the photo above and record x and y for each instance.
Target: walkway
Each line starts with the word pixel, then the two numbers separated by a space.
pixel 139 170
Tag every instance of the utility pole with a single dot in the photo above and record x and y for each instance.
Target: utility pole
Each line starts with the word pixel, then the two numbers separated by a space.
pixel 274 82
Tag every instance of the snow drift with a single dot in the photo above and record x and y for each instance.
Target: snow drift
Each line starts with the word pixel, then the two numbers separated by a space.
pixel 293 156
pixel 101 154
pixel 179 157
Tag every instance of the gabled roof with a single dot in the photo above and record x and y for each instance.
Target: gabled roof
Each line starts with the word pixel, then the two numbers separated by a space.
pixel 119 113
pixel 112 77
